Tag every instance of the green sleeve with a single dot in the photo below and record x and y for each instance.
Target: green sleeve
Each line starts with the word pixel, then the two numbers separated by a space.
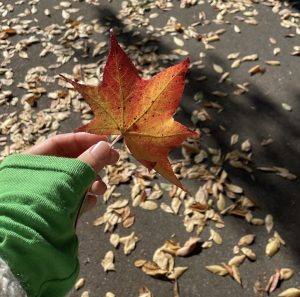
pixel 39 200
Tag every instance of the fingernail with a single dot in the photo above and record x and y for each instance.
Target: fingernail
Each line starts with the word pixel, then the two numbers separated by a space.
pixel 101 149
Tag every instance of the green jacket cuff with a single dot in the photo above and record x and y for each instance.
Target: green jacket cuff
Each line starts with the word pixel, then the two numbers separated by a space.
pixel 39 200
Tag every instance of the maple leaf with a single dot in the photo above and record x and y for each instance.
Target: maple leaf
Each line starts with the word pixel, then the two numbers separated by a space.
pixel 141 110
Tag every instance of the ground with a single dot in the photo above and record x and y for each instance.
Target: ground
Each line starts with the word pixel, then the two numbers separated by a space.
pixel 248 124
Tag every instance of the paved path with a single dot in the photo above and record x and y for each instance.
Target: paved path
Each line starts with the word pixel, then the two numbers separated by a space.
pixel 261 115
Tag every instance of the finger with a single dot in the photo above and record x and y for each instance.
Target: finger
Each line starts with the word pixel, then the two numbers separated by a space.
pixel 99 156
pixel 98 187
pixel 66 145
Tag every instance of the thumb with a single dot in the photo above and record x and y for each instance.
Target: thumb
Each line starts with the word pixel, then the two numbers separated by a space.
pixel 99 155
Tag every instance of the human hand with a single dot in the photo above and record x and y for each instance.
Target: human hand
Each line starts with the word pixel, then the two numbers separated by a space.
pixel 89 148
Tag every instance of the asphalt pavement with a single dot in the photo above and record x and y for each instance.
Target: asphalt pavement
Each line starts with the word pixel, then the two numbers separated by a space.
pixel 267 113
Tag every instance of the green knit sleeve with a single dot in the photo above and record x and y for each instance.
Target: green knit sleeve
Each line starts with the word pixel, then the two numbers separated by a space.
pixel 39 200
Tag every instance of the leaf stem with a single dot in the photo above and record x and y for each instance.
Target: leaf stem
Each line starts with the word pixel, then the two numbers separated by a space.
pixel 116 140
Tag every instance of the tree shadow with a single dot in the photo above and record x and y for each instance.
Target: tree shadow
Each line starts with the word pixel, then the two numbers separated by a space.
pixel 252 115
pixel 294 3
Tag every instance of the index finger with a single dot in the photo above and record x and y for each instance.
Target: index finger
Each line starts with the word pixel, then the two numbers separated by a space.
pixel 69 145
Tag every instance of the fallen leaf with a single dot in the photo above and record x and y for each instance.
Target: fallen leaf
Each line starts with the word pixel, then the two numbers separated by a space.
pixel 247 239
pixel 237 260
pixel 215 236
pixel 140 110
pixel 217 68
pixel 273 63
pixel 217 269
pixel 233 56
pixel 178 41
pixel 129 243
pixel 286 273
pixel 108 262
pixel 272 246
pixel 249 253
pixel 291 292
pixel 236 274
pixel 79 284
pixel 256 69
pixel 188 247
pixel 177 272
pixel 145 292
pixel 114 239
pixel 269 222
pixel 286 106
pixel 176 289
pixel 273 282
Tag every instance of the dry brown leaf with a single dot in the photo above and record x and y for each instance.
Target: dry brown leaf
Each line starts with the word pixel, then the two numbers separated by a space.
pixel 269 223
pixel 139 263
pixel 246 146
pixel 118 204
pixel 237 260
pixel 233 56
pixel 129 243
pixel 259 291
pixel 207 244
pixel 175 204
pixel 223 77
pixel 236 64
pixel 114 239
pixel 291 292
pixel 234 188
pixel 249 253
pixel 79 284
pixel 152 269
pixel 247 239
pixel 234 139
pixel 108 262
pixel 85 294
pixel 164 260
pixel 272 246
pixel 273 63
pixel 217 68
pixel 217 269
pixel 221 203
pixel 177 272
pixel 286 106
pixel 252 57
pixel 148 205
pixel 236 274
pixel 276 235
pixel 257 221
pixel 176 289
pixel 237 29
pixel 215 236
pixel 256 69
pixel 276 51
pixel 286 273
pixel 273 282
pixel 170 246
pixel 166 208
pixel 188 247
pixel 145 292
pixel 178 41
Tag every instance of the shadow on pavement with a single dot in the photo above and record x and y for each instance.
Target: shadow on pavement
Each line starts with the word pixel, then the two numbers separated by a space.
pixel 252 115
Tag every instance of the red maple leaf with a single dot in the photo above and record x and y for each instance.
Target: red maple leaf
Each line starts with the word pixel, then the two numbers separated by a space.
pixel 141 110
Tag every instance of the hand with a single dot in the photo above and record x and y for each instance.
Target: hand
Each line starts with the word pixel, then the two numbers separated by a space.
pixel 89 148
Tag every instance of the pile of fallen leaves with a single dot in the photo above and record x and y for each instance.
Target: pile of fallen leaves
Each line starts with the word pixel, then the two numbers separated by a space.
pixel 39 104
